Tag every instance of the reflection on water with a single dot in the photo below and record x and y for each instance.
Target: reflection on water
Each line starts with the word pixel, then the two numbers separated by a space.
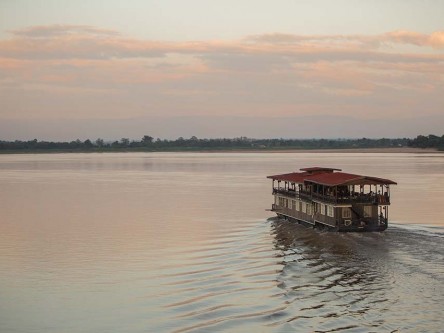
pixel 173 242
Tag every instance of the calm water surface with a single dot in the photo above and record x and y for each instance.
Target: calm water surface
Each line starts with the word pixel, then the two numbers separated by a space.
pixel 175 242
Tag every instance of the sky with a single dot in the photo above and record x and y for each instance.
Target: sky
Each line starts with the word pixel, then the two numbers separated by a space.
pixel 170 68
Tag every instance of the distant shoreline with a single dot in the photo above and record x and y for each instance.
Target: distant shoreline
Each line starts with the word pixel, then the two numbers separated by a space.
pixel 420 144
pixel 396 150
pixel 337 150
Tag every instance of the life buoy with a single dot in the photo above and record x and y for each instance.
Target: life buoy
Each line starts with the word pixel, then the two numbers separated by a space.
pixel 347 223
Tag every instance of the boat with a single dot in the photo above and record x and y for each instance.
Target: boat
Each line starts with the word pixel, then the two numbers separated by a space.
pixel 328 198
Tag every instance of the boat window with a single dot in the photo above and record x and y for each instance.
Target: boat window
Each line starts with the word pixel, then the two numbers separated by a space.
pixel 322 209
pixel 346 213
pixel 309 209
pixel 330 211
pixel 367 211
pixel 304 207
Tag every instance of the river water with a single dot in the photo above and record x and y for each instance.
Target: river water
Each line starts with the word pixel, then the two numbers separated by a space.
pixel 182 242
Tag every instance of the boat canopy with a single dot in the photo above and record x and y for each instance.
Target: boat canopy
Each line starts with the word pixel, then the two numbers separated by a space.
pixel 328 177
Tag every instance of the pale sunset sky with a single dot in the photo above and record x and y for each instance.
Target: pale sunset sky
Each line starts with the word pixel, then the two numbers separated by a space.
pixel 170 68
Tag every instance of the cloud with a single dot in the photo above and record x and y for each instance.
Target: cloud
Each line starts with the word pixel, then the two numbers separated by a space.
pixel 57 30
pixel 86 71
pixel 435 39
pixel 86 42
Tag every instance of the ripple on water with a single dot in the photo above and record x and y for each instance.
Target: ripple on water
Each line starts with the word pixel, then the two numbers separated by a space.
pixel 222 284
pixel 177 243
pixel 300 279
pixel 353 282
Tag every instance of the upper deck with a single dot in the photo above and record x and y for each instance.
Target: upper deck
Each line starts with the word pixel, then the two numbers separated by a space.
pixel 333 186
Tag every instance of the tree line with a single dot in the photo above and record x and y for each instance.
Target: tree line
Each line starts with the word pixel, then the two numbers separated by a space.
pixel 148 143
pixel 430 141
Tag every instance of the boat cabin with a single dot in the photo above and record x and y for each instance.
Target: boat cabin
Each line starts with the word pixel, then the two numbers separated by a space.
pixel 330 198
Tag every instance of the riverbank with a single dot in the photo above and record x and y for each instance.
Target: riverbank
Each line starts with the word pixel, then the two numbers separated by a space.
pixel 344 150
pixel 225 150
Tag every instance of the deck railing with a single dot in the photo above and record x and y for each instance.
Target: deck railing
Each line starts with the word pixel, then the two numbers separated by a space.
pixel 354 198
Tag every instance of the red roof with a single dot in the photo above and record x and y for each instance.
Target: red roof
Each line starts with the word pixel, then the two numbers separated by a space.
pixel 294 177
pixel 311 169
pixel 329 178
pixel 333 178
